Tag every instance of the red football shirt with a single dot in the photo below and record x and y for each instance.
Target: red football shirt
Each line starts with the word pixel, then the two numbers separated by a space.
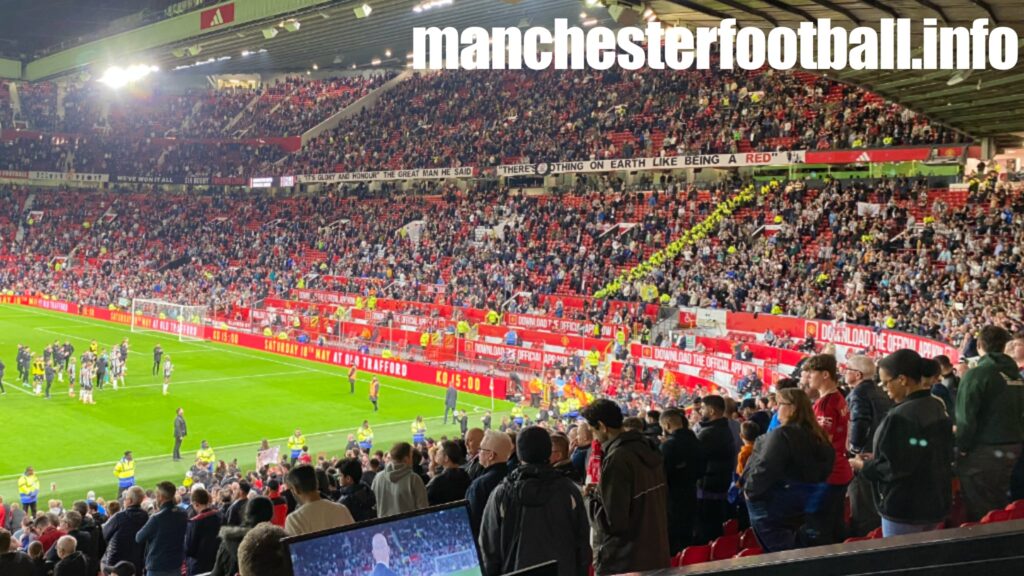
pixel 834 417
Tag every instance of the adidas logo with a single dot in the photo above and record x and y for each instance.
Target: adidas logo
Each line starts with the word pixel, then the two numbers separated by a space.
pixel 217 19
pixel 863 157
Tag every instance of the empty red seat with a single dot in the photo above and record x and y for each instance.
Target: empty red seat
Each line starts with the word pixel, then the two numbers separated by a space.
pixel 748 539
pixel 730 527
pixel 1017 505
pixel 725 547
pixel 876 533
pixel 755 551
pixel 694 555
pixel 996 516
pixel 1017 513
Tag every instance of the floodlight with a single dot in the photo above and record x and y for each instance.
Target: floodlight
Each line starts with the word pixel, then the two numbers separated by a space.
pixel 363 11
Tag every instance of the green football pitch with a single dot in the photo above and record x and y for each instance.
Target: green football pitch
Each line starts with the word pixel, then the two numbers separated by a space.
pixel 233 397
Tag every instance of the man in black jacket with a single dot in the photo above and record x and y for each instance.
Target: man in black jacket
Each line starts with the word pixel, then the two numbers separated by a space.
pixel 355 495
pixel 180 431
pixel 868 406
pixel 681 451
pixel 535 515
pixel 627 506
pixel 201 540
pixel 451 484
pixel 119 531
pixel 718 452
pixel 495 450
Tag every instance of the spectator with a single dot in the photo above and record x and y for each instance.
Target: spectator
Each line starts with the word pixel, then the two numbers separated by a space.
pixel 259 510
pixel 240 493
pixel 164 535
pixel 398 490
pixel 355 495
pixel 581 449
pixel 535 515
pixel 627 507
pixel 949 379
pixel 989 427
pixel 473 438
pixel 279 502
pixel 495 449
pixel 785 471
pixel 868 406
pixel 718 453
pixel 72 561
pixel 560 457
pixel 13 562
pixel 826 524
pixel 120 530
pixel 47 530
pixel 71 525
pixel 681 451
pixel 750 413
pixel 932 375
pixel 451 484
pixel 261 552
pixel 201 535
pixel 314 513
pixel 910 464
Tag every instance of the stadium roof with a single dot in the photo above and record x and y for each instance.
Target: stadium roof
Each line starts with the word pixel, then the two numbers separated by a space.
pixel 986 103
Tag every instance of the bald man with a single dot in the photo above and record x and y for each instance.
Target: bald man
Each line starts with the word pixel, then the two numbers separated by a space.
pixel 381 557
pixel 473 467
pixel 72 562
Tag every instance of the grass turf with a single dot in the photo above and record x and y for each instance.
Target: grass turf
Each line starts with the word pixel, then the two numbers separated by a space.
pixel 233 397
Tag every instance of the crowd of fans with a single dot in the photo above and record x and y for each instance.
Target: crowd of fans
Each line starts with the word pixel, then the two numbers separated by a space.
pixel 471 119
pixel 620 488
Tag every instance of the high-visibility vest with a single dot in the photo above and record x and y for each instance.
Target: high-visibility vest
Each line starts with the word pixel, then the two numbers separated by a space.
pixel 206 456
pixel 425 339
pixel 124 469
pixel 371 303
pixel 296 442
pixel 28 487
pixel 365 434
pixel 418 428
pixel 593 358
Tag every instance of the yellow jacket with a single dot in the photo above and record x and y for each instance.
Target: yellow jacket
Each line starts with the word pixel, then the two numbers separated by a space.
pixel 364 434
pixel 125 469
pixel 206 456
pixel 296 442
pixel 28 487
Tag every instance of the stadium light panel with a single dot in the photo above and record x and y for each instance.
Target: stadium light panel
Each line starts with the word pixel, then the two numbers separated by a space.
pixel 118 77
pixel 269 33
pixel 291 25
pixel 315 67
pixel 363 11
pixel 387 53
pixel 194 50
pixel 430 4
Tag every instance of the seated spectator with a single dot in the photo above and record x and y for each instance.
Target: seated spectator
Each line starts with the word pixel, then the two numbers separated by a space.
pixel 785 471
pixel 910 464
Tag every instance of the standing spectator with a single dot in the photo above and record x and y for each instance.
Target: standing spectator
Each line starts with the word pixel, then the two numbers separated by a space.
pixel 581 449
pixel 535 515
pixel 560 457
pixel 718 452
pixel 180 431
pixel 826 525
pixel 627 507
pixel 451 484
pixel 785 470
pixel 398 489
pixel 71 525
pixel 473 437
pixel 949 378
pixel 72 561
pixel 495 450
pixel 13 562
pixel 868 406
pixel 279 502
pixel 261 552
pixel 240 499
pixel 681 451
pixel 201 542
pixel 910 465
pixel 314 513
pixel 989 426
pixel 164 535
pixel 451 400
pixel 260 510
pixel 120 530
pixel 355 495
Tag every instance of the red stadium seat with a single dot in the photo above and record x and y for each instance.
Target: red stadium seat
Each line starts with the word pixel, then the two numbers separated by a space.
pixel 1016 513
pixel 1017 505
pixel 876 533
pixel 730 527
pixel 725 547
pixel 755 551
pixel 996 516
pixel 969 524
pixel 858 539
pixel 748 539
pixel 694 555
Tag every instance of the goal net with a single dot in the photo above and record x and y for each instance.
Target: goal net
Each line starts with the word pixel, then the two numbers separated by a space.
pixel 169 318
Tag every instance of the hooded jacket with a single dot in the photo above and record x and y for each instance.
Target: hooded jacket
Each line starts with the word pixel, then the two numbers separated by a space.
pixel 226 562
pixel 360 501
pixel 398 490
pixel 990 404
pixel 786 456
pixel 628 510
pixel 912 464
pixel 535 515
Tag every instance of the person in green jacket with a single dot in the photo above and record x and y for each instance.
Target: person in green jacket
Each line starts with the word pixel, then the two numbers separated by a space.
pixel 989 425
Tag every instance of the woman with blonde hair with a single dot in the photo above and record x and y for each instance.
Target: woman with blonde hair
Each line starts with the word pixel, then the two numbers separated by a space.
pixel 788 467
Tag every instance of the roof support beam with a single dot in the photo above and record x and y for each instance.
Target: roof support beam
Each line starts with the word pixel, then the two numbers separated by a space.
pixel 750 10
pixel 837 8
pixel 791 9
pixel 936 8
pixel 703 9
pixel 880 6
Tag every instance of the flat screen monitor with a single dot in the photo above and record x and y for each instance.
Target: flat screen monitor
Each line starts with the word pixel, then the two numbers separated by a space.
pixel 435 541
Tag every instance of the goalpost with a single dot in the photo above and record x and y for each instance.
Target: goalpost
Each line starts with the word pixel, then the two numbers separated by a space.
pixel 169 318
